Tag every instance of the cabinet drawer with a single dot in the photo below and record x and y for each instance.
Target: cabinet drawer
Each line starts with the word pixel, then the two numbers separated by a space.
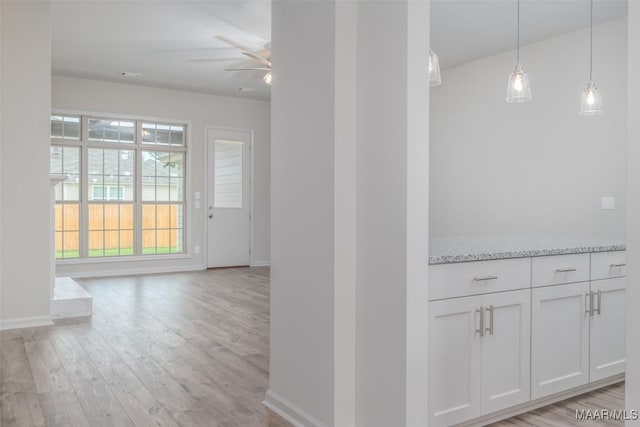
pixel 480 277
pixel 608 265
pixel 559 269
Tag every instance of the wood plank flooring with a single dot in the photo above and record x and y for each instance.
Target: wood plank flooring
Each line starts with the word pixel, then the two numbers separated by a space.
pixel 184 349
pixel 563 414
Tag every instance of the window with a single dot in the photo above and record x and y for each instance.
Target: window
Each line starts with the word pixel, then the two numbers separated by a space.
pixel 66 160
pixel 108 192
pixel 228 171
pixel 125 192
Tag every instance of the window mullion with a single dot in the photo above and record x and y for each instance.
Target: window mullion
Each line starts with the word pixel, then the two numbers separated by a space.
pixel 138 190
pixel 84 197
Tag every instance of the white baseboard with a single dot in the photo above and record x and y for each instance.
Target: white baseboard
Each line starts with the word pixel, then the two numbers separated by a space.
pixel 290 412
pixel 261 263
pixel 132 271
pixel 25 322
pixel 539 403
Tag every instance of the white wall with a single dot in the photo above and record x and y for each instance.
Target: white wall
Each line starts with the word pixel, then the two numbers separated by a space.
pixel 392 214
pixel 633 214
pixel 539 167
pixel 201 110
pixel 349 213
pixel 302 215
pixel 24 141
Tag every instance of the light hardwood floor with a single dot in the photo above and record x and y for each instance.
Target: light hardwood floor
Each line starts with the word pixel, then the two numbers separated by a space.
pixel 187 349
pixel 184 349
pixel 563 414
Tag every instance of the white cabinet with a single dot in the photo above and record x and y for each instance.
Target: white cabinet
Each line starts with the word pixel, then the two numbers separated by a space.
pixel 454 360
pixel 578 335
pixel 607 328
pixel 559 338
pixel 506 350
pixel 480 354
pixel 504 332
pixel 559 269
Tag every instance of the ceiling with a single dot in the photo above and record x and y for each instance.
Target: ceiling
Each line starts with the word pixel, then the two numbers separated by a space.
pixel 173 45
pixel 466 30
pixel 165 41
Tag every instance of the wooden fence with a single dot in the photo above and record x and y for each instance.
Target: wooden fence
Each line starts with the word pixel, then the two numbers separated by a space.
pixel 111 226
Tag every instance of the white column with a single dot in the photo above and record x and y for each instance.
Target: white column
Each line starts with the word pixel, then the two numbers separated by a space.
pixel 392 213
pixel 25 138
pixel 632 389
pixel 349 212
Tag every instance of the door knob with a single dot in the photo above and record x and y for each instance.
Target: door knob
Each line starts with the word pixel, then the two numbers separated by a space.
pixel 211 216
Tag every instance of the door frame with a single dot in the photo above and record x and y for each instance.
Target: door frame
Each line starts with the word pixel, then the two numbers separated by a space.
pixel 212 129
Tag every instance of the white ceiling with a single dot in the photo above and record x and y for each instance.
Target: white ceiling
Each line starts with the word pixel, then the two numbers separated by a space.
pixel 466 30
pixel 167 41
pixel 163 40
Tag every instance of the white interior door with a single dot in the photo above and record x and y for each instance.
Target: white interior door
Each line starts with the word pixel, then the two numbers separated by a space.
pixel 229 198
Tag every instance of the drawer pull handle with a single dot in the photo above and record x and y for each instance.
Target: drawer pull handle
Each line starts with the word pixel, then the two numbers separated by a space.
pixel 481 329
pixel 490 328
pixel 566 270
pixel 617 265
pixel 484 278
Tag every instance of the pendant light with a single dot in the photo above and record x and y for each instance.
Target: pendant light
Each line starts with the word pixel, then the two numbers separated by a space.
pixel 518 88
pixel 434 69
pixel 591 98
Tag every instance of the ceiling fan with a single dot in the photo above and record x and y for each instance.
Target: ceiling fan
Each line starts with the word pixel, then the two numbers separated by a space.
pixel 264 60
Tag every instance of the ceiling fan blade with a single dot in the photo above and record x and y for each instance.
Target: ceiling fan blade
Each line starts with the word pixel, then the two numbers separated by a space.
pixel 247 69
pixel 221 59
pixel 233 43
pixel 259 58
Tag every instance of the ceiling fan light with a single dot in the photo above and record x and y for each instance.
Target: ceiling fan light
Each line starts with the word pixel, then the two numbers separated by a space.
pixel 518 87
pixel 267 78
pixel 591 104
pixel 434 69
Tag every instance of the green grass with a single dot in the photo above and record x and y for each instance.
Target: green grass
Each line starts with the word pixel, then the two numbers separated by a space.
pixel 95 253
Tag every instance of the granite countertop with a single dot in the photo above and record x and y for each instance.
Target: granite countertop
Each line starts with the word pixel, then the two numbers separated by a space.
pixel 463 249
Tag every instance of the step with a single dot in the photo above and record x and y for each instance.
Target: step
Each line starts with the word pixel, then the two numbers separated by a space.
pixel 70 299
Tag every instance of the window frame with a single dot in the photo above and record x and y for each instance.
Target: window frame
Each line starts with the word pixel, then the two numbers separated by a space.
pixel 137 146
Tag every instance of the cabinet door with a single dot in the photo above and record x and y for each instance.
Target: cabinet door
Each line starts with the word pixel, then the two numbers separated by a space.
pixel 608 328
pixel 506 350
pixel 454 360
pixel 560 338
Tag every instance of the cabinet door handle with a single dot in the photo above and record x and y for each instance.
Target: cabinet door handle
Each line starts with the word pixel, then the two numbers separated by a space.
pixel 617 265
pixel 490 328
pixel 481 311
pixel 484 278
pixel 566 270
pixel 599 301
pixel 588 302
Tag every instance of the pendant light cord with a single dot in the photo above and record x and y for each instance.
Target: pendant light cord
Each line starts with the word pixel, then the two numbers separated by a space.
pixel 591 44
pixel 518 35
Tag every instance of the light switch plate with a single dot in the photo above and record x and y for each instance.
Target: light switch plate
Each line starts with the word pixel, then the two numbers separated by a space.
pixel 196 204
pixel 197 195
pixel 608 203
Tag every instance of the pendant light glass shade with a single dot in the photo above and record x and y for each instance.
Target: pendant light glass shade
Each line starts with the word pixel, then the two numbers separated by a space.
pixel 434 69
pixel 591 101
pixel 591 104
pixel 518 87
pixel 267 78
